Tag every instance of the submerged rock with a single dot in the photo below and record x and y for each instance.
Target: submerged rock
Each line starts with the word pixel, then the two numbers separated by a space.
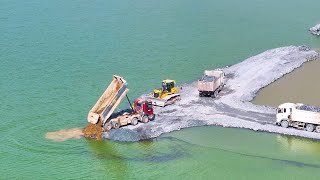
pixel 122 134
pixel 315 30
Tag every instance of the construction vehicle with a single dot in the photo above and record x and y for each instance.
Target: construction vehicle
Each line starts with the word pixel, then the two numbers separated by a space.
pixel 103 111
pixel 299 116
pixel 211 83
pixel 167 94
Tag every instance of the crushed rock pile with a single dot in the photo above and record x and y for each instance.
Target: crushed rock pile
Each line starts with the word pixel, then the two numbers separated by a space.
pixel 315 30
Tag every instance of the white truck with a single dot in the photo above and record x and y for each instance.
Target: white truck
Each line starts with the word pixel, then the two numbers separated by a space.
pixel 211 83
pixel 299 116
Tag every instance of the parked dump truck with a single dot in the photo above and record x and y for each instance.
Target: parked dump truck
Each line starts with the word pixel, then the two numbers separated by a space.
pixel 167 94
pixel 102 111
pixel 211 83
pixel 299 116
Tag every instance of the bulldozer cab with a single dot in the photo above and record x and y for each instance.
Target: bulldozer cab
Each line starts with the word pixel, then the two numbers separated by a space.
pixel 168 85
pixel 166 95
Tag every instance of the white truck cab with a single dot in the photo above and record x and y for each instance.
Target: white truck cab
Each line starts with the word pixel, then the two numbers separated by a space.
pixel 284 111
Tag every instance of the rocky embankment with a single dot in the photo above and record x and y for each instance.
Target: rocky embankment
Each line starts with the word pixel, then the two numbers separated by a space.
pixel 315 30
pixel 233 107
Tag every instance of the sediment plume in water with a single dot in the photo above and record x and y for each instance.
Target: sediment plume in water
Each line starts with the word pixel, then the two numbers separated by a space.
pixel 65 134
pixel 93 131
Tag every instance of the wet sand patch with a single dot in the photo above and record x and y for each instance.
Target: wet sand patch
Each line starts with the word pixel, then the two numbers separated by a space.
pixel 300 86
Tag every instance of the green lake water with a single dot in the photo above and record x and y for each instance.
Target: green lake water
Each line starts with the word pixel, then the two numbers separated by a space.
pixel 57 57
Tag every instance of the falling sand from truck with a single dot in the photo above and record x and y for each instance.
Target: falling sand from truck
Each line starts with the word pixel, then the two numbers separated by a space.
pixel 93 131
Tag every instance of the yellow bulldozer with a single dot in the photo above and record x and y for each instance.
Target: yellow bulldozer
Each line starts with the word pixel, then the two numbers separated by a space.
pixel 167 94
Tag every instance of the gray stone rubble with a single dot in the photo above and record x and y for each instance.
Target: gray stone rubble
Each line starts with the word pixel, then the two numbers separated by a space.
pixel 233 107
pixel 315 30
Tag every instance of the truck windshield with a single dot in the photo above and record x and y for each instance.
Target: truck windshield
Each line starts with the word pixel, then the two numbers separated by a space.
pixel 279 110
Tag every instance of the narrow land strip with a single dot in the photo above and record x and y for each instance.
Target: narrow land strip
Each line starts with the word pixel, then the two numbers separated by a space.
pixel 233 108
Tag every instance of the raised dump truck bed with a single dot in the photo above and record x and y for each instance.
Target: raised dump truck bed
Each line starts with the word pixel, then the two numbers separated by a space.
pixel 108 101
pixel 102 113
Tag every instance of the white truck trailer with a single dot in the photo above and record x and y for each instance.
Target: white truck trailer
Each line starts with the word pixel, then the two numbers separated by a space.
pixel 299 116
pixel 211 83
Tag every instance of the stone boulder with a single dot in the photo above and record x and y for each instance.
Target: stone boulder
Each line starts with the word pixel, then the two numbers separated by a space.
pixel 315 30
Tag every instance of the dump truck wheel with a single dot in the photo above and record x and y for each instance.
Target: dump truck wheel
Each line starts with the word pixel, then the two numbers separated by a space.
pixel 145 119
pixel 284 123
pixel 107 127
pixel 200 94
pixel 151 117
pixel 134 121
pixel 115 125
pixel 215 94
pixel 318 129
pixel 310 127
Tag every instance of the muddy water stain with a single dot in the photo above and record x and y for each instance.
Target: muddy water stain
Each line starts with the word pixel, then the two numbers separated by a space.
pixel 65 134
pixel 302 85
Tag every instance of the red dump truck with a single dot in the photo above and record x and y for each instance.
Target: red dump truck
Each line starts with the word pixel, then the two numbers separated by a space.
pixel 103 110
pixel 211 83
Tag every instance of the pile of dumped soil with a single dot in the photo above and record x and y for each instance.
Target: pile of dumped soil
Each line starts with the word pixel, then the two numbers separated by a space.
pixel 93 131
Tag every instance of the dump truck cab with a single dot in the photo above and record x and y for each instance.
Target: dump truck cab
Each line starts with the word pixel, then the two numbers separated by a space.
pixel 143 107
pixel 284 111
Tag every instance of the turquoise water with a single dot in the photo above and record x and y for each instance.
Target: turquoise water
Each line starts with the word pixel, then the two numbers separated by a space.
pixel 57 57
